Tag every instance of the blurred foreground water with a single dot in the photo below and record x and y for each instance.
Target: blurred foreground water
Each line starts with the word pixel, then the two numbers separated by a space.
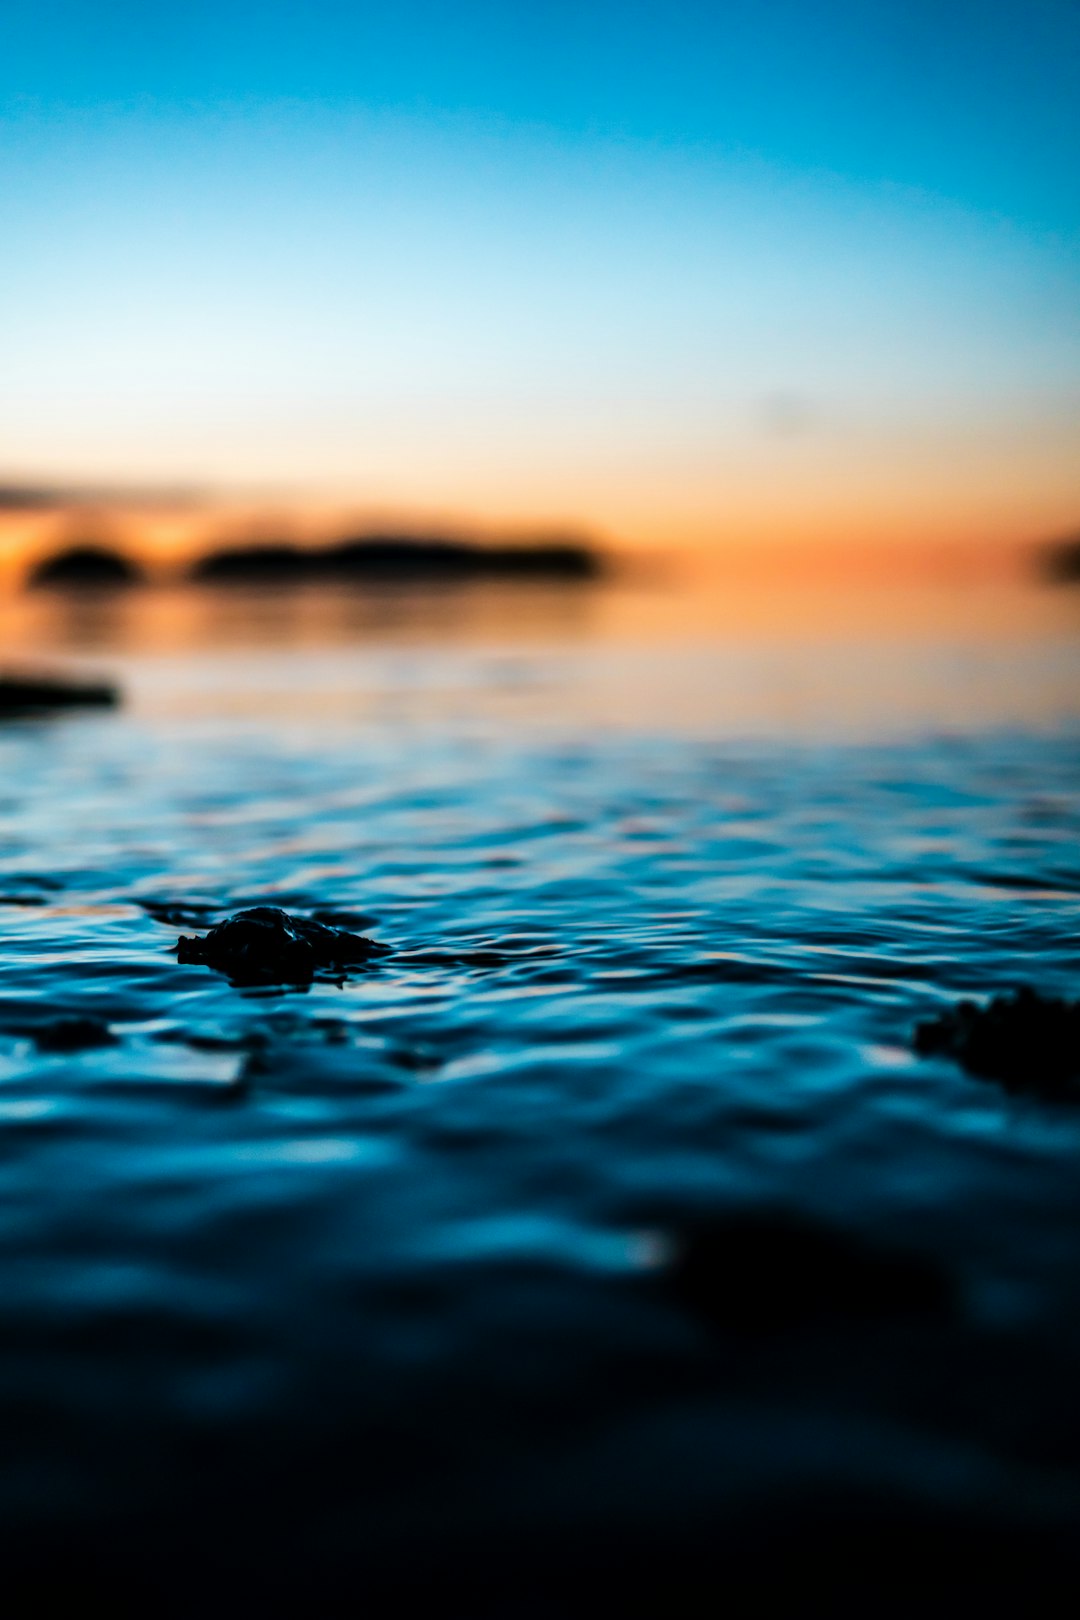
pixel 321 1299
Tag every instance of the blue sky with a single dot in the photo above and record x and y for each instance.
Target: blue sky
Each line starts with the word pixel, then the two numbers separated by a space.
pixel 676 269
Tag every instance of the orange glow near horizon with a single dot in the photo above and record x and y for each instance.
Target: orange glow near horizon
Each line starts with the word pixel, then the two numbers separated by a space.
pixel 796 591
pixel 873 540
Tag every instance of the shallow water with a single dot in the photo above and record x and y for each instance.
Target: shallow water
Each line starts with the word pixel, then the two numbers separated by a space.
pixel 380 1275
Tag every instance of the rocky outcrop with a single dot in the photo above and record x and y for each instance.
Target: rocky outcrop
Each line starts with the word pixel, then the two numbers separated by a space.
pixel 269 946
pixel 1024 1040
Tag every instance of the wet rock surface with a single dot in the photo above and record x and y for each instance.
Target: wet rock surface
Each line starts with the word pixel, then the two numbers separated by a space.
pixel 267 945
pixel 1024 1040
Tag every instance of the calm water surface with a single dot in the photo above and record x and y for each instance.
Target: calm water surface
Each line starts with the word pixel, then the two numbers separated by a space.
pixel 369 1286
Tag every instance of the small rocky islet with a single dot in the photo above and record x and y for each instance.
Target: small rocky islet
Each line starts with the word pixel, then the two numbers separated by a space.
pixel 86 566
pixel 1026 1041
pixel 266 945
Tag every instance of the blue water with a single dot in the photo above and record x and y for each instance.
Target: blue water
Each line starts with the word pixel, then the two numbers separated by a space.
pixel 371 1281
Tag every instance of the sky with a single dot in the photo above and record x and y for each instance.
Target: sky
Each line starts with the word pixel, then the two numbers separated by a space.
pixel 679 273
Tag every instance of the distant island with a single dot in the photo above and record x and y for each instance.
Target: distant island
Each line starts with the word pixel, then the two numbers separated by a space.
pixel 82 566
pixel 369 558
pixel 397 557
pixel 1061 562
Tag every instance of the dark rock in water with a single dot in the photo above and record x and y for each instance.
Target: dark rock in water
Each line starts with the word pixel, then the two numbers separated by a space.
pixel 268 946
pixel 86 565
pixel 761 1273
pixel 28 694
pixel 1026 1041
pixel 74 1034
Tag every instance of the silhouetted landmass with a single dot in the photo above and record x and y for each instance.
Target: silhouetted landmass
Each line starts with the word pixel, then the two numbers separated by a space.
pixel 72 1034
pixel 84 566
pixel 397 557
pixel 1027 1041
pixel 29 694
pixel 400 557
pixel 246 563
pixel 267 945
pixel 1061 562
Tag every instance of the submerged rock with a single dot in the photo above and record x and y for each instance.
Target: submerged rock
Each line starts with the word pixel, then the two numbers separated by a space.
pixel 28 694
pixel 1027 1041
pixel 72 1034
pixel 765 1272
pixel 267 945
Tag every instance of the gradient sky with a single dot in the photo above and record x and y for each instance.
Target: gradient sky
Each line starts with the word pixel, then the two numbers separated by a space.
pixel 676 271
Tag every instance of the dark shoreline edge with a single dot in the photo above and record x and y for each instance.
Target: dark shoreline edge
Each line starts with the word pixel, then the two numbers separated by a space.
pixel 37 694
